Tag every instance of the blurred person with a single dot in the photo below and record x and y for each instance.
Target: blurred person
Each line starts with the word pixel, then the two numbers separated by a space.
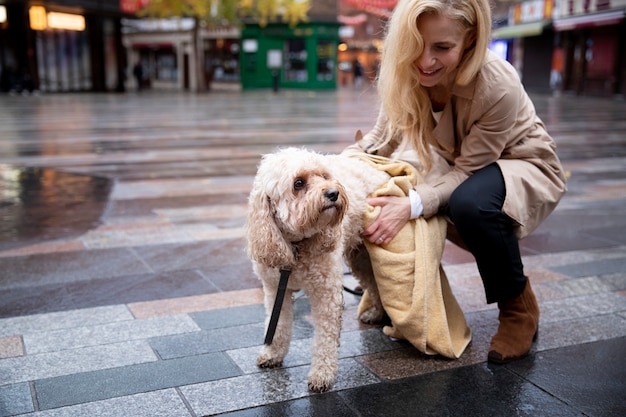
pixel 488 162
pixel 357 71
pixel 138 74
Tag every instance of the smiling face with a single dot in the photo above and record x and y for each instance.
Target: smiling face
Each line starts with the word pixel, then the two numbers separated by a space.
pixel 444 44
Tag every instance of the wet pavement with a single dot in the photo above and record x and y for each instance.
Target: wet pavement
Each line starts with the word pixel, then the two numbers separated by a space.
pixel 124 288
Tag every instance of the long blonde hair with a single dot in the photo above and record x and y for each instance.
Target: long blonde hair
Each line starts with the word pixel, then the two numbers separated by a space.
pixel 404 102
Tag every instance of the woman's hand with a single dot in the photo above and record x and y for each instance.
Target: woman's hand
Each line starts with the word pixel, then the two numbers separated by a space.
pixel 394 213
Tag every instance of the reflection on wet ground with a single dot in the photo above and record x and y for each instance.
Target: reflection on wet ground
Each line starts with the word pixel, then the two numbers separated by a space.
pixel 43 204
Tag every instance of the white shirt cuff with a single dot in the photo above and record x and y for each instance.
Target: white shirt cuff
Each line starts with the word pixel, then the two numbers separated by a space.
pixel 417 208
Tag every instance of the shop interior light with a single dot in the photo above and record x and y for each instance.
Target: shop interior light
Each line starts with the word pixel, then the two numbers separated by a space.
pixel 66 21
pixel 37 16
pixel 3 14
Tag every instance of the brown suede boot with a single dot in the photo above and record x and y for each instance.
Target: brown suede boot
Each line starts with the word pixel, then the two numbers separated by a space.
pixel 519 321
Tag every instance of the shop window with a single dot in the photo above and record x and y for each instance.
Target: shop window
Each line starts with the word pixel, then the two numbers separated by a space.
pixel 295 63
pixel 325 60
pixel 222 59
pixel 166 67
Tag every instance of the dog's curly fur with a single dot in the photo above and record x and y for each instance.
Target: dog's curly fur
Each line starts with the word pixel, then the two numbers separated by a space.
pixel 305 213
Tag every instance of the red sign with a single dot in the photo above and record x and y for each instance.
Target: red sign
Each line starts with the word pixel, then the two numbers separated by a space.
pixel 132 6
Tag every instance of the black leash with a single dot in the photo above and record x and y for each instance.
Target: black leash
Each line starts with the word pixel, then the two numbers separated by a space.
pixel 278 304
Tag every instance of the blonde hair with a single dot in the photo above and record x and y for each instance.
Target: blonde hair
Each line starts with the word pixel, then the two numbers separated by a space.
pixel 404 102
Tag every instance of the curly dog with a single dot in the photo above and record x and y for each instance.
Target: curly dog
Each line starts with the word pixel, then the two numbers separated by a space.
pixel 305 214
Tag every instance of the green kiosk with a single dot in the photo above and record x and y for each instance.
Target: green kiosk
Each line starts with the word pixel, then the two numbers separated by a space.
pixel 278 56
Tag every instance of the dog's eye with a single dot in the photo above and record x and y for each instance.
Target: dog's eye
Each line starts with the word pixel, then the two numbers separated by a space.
pixel 299 184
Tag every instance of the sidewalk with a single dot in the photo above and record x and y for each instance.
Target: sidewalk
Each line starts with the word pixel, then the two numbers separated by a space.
pixel 125 290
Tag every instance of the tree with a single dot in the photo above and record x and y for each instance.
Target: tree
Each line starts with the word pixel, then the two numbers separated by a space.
pixel 215 13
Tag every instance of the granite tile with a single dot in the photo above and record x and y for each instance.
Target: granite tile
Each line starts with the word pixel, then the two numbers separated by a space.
pixel 408 361
pixel 580 286
pixel 11 347
pixel 229 317
pixel 616 281
pixel 15 399
pixel 196 303
pixel 579 307
pixel 175 187
pixel 45 247
pixel 161 403
pixel 133 379
pixel 35 300
pixel 236 276
pixel 103 334
pixel 214 340
pixel 352 344
pixel 273 386
pixel 475 390
pixel 580 330
pixel 63 320
pixel 66 267
pixel 93 358
pixel 149 206
pixel 600 267
pixel 193 255
pixel 137 288
pixel 564 373
pixel 329 404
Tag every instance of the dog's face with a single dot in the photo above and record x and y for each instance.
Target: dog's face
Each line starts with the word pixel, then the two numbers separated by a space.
pixel 303 195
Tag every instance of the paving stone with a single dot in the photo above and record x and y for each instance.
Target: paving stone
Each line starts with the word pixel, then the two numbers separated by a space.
pixel 196 303
pixel 605 266
pixel 116 382
pixel 116 332
pixel 581 330
pixel 215 340
pixel 355 343
pixel 564 373
pixel 579 307
pixel 11 346
pixel 162 403
pixel 476 390
pixel 15 399
pixel 66 267
pixel 63 320
pixel 326 405
pixel 267 387
pixel 52 364
pixel 230 317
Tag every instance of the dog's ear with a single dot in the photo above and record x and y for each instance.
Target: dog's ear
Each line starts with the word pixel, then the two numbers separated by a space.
pixel 358 136
pixel 265 243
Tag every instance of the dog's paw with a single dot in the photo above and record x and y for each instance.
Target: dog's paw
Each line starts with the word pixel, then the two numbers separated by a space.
pixel 266 361
pixel 319 383
pixel 372 315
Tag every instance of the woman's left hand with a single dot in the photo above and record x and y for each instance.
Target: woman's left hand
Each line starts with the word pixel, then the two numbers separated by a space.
pixel 394 213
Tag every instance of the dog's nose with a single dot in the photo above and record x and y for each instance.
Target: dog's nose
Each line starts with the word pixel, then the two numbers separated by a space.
pixel 332 194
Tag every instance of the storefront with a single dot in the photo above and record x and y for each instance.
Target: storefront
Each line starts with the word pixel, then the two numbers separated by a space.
pixel 593 46
pixel 49 48
pixel 527 42
pixel 164 48
pixel 278 56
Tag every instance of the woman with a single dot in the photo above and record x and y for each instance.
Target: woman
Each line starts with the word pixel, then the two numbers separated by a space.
pixel 447 97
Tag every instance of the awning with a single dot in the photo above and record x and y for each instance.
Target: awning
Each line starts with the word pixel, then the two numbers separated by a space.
pixel 520 31
pixel 589 20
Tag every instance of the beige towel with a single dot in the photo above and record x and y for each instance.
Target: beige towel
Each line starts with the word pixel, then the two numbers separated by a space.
pixel 413 286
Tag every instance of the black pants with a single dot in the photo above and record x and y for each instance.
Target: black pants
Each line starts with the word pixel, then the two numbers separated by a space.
pixel 475 208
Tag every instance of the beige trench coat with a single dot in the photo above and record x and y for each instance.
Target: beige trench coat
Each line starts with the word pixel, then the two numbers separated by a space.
pixel 492 119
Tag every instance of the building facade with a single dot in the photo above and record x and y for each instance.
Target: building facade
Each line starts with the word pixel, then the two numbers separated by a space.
pixel 61 46
pixel 572 46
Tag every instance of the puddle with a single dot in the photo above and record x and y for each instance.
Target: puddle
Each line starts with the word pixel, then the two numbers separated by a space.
pixel 40 204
